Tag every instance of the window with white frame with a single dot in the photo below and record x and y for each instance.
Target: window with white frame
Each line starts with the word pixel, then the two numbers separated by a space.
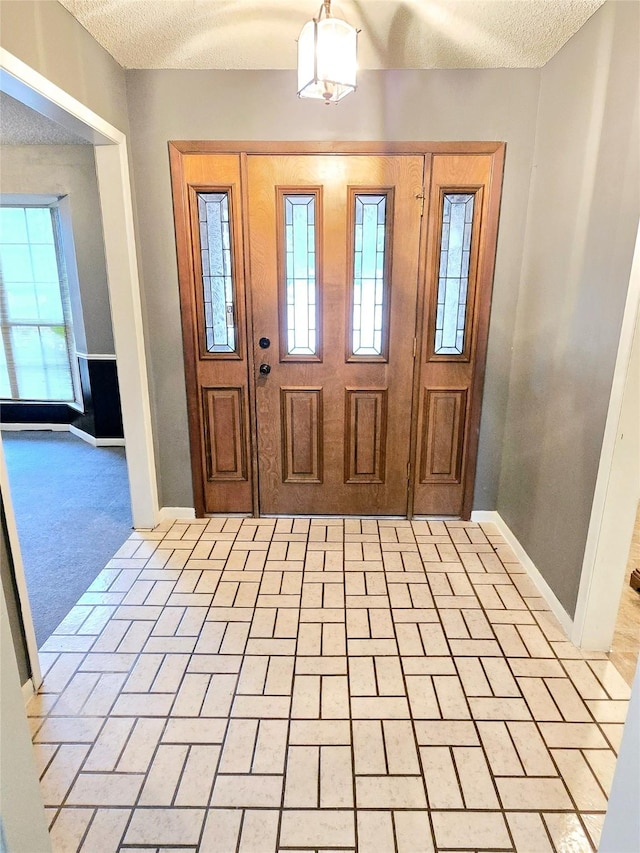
pixel 37 352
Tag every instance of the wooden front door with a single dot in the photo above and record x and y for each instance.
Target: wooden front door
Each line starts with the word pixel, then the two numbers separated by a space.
pixel 335 314
pixel 333 249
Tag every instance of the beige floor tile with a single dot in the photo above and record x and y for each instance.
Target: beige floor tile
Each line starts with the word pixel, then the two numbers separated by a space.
pixel 537 794
pixel 336 777
pixel 221 831
pixel 475 778
pixel 572 735
pixel 500 749
pixel 400 747
pixel 317 827
pixel 379 708
pixel 239 743
pixel 69 828
pixel 413 832
pixel 106 830
pixel 271 745
pixel 247 791
pixel 580 780
pixel 61 773
pixel 162 779
pixel 138 752
pixel 422 697
pixel 603 764
pixel 368 747
pixel 529 833
pixel 303 777
pixel 165 826
pixel 390 792
pixel 567 833
pixel 440 777
pixel 317 732
pixel 594 824
pixel 375 832
pixel 499 709
pixel 259 831
pixel 446 733
pixel 471 830
pixel 197 779
pixel 109 744
pixel 531 749
pixel 194 731
pixel 105 789
pixel 608 711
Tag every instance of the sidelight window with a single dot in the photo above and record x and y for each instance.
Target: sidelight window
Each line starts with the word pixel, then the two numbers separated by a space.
pixel 453 278
pixel 217 272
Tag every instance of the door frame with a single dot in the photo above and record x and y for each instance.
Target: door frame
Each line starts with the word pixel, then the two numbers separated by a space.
pixel 180 148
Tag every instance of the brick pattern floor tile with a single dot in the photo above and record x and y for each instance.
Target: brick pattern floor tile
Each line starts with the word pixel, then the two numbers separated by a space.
pixel 303 684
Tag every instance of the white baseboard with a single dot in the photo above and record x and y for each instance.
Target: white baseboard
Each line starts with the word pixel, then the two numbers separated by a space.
pixel 93 441
pixel 39 427
pixel 167 513
pixel 527 563
pixel 27 691
pixel 79 433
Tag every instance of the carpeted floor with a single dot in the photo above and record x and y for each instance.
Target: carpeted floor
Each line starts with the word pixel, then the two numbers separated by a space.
pixel 73 512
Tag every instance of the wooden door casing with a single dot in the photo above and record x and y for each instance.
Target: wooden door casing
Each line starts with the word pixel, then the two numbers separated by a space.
pixel 223 393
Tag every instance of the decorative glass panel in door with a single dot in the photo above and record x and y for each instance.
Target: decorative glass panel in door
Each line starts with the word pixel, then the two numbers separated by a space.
pixel 217 272
pixel 453 279
pixel 300 292
pixel 370 296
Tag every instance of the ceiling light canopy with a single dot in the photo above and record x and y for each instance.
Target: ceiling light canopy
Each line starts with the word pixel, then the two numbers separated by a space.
pixel 327 57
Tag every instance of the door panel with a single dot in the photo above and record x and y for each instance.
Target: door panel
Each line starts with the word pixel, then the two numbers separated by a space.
pixel 324 438
pixel 207 200
pixel 459 268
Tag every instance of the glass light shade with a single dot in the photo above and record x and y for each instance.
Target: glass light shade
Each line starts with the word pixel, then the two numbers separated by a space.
pixel 327 59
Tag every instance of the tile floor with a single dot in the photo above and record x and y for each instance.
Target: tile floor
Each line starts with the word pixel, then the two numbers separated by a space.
pixel 253 685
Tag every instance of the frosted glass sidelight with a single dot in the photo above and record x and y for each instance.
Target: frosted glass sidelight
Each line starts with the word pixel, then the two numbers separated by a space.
pixel 217 272
pixel 369 285
pixel 300 274
pixel 453 279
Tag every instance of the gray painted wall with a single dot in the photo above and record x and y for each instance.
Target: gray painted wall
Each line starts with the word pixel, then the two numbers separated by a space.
pixel 397 105
pixel 582 221
pixel 70 170
pixel 50 40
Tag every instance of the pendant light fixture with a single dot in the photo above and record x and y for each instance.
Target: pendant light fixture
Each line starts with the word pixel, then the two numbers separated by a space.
pixel 327 57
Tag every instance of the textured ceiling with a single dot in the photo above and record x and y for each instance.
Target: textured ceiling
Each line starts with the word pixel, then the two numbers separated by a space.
pixel 20 125
pixel 246 34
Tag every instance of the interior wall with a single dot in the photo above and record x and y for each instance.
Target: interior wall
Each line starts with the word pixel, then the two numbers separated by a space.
pixel 70 170
pixel 49 39
pixel 582 221
pixel 396 105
